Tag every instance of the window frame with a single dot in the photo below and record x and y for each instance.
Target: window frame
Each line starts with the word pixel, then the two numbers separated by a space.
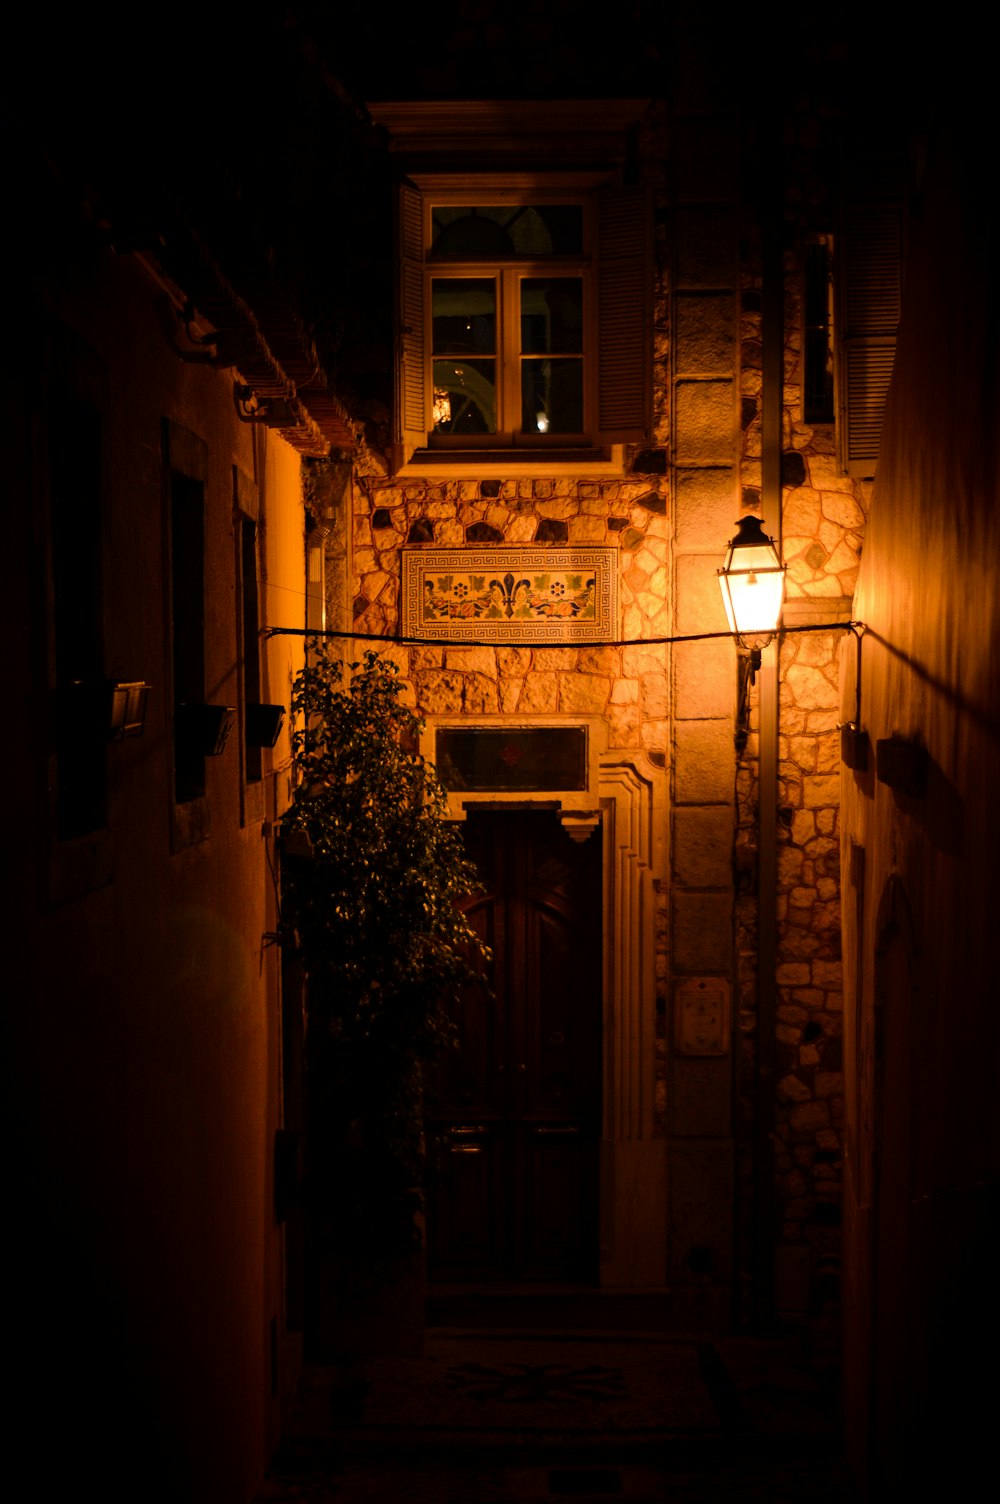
pixel 69 481
pixel 819 334
pixel 507 273
pixel 615 265
pixel 248 574
pixel 185 470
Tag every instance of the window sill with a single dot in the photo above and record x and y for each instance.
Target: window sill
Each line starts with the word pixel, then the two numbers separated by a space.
pixel 450 464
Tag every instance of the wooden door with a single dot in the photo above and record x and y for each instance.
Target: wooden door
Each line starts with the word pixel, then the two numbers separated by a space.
pixel 514 1122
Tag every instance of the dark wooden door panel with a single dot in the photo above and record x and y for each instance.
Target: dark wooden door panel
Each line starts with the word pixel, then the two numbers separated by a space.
pixel 515 1109
pixel 467 1227
pixel 558 1161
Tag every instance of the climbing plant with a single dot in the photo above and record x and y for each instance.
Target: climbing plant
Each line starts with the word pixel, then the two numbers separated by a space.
pixel 373 878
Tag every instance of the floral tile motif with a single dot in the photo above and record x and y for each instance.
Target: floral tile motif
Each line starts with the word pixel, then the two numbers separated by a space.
pixel 510 595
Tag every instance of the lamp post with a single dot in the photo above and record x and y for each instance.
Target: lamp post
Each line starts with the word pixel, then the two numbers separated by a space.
pixel 752 581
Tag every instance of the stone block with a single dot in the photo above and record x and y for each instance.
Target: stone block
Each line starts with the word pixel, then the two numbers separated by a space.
pixel 586 694
pixel 703 846
pixel 809 688
pixel 704 333
pixel 791 1089
pixel 599 661
pixel 810 1117
pixel 653 598
pixel 697 598
pixel 625 692
pixel 540 694
pixel 587 530
pixel 790 863
pixel 705 421
pixel 701 1197
pixel 821 790
pixel 510 695
pixel 642 659
pixel 655 696
pixel 803 826
pixel 623 725
pixel 794 974
pixel 514 661
pixel 843 511
pixel 421 658
pixel 704 680
pixel 826 475
pixel 703 932
pixel 440 693
pixel 546 660
pixel 704 762
pixel 700 1096
pixel 706 240
pixel 521 530
pixel 706 509
pixel 472 661
pixel 802 514
pixel 656 739
pixel 479 695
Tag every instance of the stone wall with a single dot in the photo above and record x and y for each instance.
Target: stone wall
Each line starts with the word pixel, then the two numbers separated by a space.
pixel 627 685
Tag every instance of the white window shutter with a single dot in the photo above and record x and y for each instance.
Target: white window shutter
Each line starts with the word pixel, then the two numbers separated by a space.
pixel 624 316
pixel 869 284
pixel 412 397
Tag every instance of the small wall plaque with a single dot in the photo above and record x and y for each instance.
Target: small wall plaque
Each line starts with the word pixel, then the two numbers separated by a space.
pixel 701 1016
pixel 513 595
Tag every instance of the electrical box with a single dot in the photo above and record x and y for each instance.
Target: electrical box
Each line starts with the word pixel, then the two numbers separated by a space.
pixel 701 1016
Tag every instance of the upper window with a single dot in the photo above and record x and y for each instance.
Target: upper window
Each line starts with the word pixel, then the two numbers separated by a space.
pixel 509 343
pixel 524 324
pixel 817 331
pixel 868 289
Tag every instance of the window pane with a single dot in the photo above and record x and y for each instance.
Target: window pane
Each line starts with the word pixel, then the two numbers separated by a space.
pixel 542 758
pixel 464 231
pixel 465 396
pixel 551 396
pixel 551 315
pixel 464 313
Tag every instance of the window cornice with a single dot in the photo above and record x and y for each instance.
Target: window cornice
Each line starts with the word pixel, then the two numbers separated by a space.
pixel 567 130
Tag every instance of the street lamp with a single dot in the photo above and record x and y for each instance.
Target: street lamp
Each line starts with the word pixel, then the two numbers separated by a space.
pixel 752 581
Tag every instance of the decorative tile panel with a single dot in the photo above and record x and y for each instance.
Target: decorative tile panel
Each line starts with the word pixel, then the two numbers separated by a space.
pixel 511 595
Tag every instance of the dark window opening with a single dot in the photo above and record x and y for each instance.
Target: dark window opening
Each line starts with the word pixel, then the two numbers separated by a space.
pixel 817 333
pixel 250 631
pixel 81 729
pixel 187 597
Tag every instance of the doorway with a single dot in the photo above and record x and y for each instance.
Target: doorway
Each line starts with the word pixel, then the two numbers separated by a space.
pixel 513 1119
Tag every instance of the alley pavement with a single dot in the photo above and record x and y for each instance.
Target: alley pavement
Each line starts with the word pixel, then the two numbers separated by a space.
pixel 530 1413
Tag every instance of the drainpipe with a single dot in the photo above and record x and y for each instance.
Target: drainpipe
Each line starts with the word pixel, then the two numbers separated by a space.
pixel 773 349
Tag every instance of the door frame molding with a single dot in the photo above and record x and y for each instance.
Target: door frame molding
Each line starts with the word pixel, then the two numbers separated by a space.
pixel 626 797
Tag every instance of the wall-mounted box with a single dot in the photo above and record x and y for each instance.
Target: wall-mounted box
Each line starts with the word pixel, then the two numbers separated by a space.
pixel 701 1016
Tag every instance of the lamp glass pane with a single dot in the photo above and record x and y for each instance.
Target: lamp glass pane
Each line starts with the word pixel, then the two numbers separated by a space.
pixel 756 597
